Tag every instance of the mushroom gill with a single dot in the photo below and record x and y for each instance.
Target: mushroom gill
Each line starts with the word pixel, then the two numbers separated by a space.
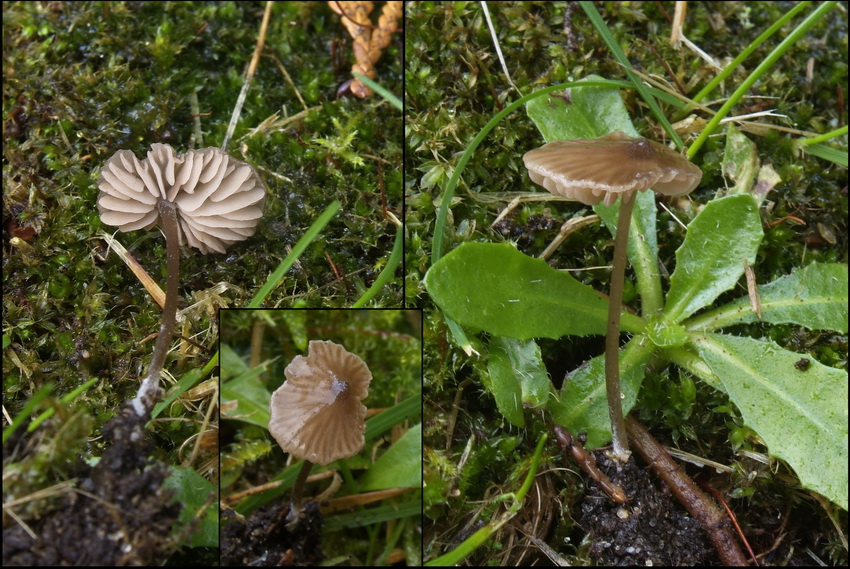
pixel 317 414
pixel 219 200
pixel 604 168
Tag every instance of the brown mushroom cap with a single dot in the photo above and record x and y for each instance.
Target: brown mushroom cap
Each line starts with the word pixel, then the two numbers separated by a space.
pixel 604 168
pixel 219 199
pixel 316 414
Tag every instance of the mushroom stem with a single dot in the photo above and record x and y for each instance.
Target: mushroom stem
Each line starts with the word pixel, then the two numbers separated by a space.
pixel 612 337
pixel 294 515
pixel 149 390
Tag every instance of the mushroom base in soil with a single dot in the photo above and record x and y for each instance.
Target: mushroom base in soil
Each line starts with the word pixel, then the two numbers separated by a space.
pixel 317 415
pixel 602 170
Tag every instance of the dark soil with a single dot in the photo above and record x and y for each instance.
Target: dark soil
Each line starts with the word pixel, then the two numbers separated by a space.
pixel 122 516
pixel 649 529
pixel 264 540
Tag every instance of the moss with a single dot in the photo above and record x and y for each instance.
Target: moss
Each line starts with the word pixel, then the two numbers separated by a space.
pixel 87 80
pixel 455 85
pixel 83 80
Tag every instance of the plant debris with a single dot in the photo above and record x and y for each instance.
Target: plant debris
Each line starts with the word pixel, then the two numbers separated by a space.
pixel 263 539
pixel 369 40
pixel 120 515
pixel 648 530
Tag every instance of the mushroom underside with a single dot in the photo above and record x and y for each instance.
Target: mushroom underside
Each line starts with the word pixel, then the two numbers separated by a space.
pixel 219 199
pixel 317 414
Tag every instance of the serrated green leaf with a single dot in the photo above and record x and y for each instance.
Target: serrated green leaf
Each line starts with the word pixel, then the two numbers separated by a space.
pixel 800 413
pixel 526 363
pixel 582 405
pixel 495 288
pixel 502 383
pixel 814 296
pixel 666 335
pixel 517 376
pixel 740 161
pixel 587 112
pixel 711 260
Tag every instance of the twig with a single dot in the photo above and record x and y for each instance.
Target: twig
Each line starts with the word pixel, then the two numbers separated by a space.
pixel 289 80
pixel 734 519
pixel 588 464
pixel 698 504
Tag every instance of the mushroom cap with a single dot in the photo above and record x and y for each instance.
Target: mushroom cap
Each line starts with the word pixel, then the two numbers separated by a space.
pixel 316 414
pixel 219 199
pixel 604 168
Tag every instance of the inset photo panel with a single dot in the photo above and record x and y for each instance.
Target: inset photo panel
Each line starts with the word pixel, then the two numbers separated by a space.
pixel 321 436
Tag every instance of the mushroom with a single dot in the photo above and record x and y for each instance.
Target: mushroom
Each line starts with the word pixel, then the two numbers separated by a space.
pixel 601 170
pixel 317 414
pixel 205 198
pixel 219 199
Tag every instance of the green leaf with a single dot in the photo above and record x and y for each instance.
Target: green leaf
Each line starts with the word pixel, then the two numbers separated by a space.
pixel 231 364
pixel 296 321
pixel 526 365
pixel 711 260
pixel 740 161
pixel 250 395
pixel 195 492
pixel 665 334
pixel 582 405
pixel 814 296
pixel 587 112
pixel 505 388
pixel 373 517
pixel 516 376
pixel 800 413
pixel 495 288
pixel 400 466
